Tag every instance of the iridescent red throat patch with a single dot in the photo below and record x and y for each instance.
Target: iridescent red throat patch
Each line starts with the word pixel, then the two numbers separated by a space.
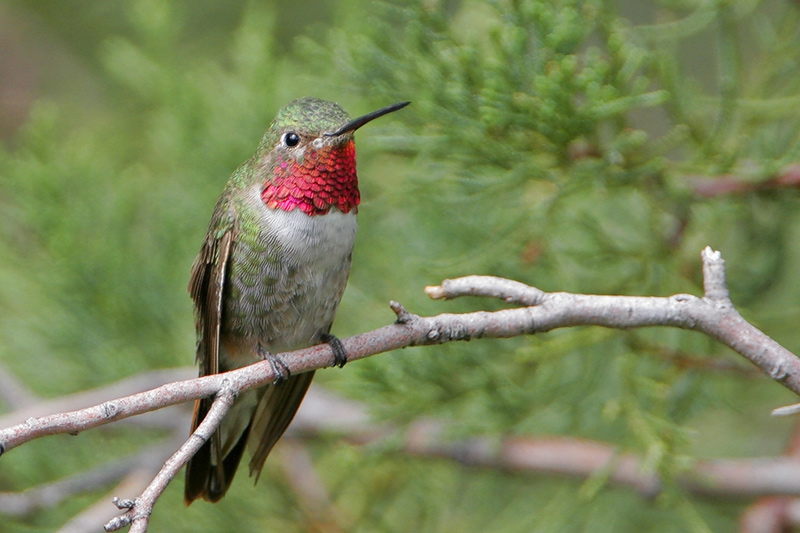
pixel 320 180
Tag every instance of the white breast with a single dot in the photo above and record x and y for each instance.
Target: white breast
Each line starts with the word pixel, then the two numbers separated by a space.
pixel 321 240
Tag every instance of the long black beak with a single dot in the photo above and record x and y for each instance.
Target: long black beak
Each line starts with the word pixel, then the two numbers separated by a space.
pixel 354 124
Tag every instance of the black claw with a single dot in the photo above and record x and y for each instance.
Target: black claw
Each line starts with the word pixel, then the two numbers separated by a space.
pixel 339 354
pixel 277 365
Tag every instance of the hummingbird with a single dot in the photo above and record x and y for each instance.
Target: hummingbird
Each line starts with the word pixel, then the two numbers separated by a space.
pixel 270 275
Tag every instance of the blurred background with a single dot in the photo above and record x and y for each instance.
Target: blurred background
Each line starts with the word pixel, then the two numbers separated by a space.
pixel 587 146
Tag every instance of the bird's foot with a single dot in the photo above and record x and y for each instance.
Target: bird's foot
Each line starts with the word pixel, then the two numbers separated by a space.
pixel 339 355
pixel 277 365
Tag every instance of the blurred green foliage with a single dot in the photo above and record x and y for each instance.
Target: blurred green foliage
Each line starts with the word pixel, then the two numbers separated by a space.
pixel 556 143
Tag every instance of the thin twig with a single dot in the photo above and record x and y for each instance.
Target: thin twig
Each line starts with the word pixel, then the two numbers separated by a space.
pixel 489 287
pixel 139 510
pixel 123 387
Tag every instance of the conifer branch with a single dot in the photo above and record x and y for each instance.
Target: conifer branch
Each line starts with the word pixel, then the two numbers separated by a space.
pixel 712 314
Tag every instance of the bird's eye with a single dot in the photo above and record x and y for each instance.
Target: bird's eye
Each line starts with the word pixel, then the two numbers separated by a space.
pixel 291 139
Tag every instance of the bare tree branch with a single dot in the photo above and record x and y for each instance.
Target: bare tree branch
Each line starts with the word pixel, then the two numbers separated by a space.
pixel 772 513
pixel 731 184
pixel 721 478
pixel 713 314
pixel 51 494
pixel 581 458
pixel 134 482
